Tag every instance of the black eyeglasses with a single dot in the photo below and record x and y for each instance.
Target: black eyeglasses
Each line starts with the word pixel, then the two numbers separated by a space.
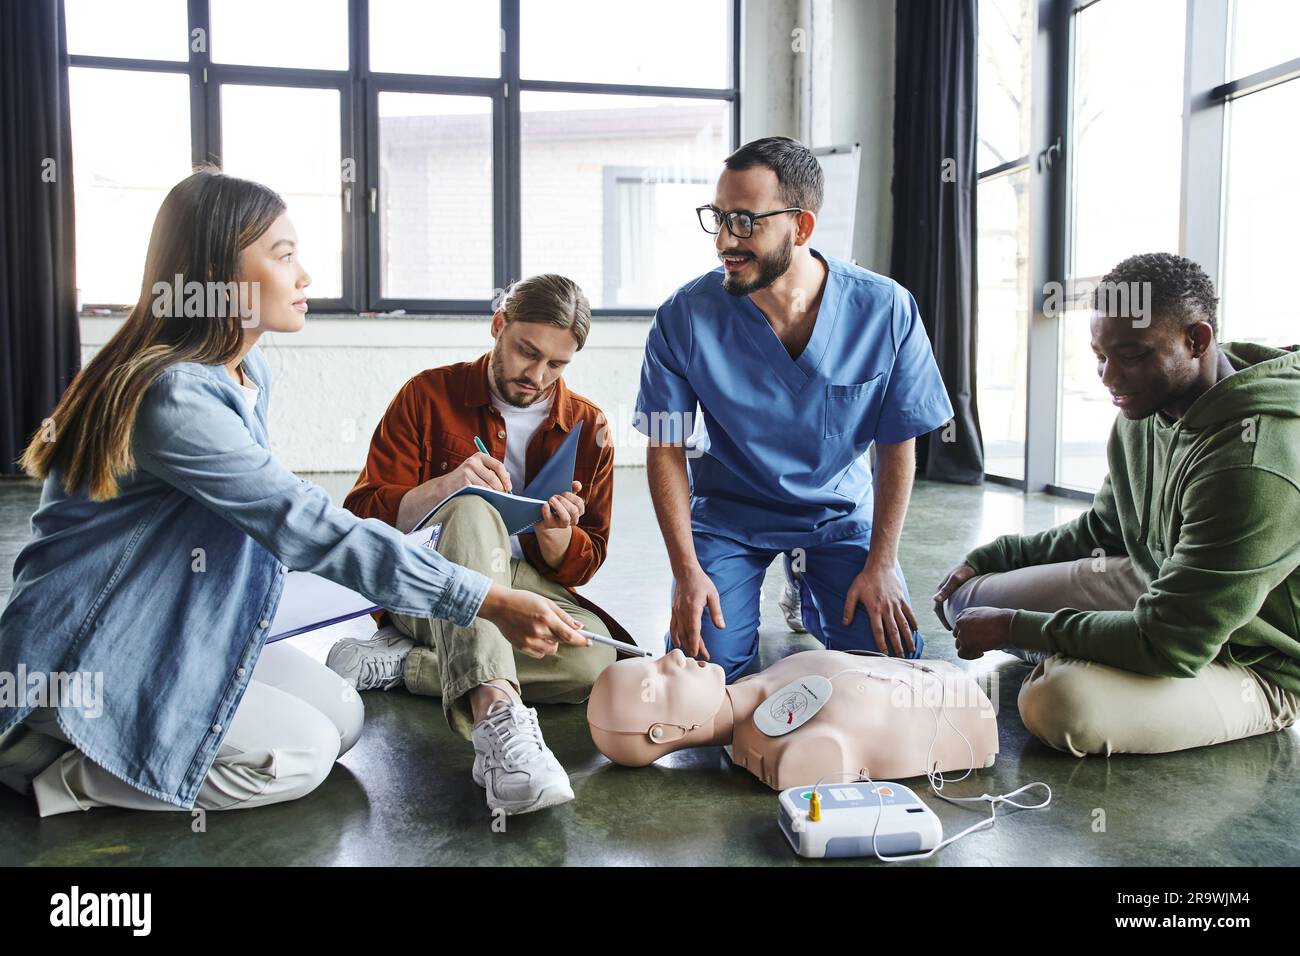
pixel 739 223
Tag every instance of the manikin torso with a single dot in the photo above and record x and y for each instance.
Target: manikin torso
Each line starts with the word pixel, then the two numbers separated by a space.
pixel 881 716
pixel 882 720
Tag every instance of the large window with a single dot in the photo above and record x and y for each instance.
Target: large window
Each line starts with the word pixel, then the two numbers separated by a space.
pixel 435 196
pixel 430 151
pixel 1152 126
pixel 605 180
pixel 1006 34
pixel 1262 191
pixel 131 145
pixel 302 168
pixel 1126 127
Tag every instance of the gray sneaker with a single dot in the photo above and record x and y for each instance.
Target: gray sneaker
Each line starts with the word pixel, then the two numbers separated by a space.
pixel 513 763
pixel 377 663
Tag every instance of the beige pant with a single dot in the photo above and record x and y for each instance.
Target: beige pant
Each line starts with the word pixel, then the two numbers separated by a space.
pixel 1086 707
pixel 295 719
pixel 450 661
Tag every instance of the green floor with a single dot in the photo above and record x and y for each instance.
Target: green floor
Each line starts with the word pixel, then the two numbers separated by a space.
pixel 404 795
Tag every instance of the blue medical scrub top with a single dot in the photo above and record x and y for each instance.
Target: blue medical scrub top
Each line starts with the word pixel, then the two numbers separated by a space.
pixel 785 442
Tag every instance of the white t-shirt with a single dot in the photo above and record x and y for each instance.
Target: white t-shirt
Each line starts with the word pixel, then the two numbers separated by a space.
pixel 520 425
pixel 250 391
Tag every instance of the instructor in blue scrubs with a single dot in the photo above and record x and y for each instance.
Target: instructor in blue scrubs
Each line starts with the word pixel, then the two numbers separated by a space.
pixel 799 362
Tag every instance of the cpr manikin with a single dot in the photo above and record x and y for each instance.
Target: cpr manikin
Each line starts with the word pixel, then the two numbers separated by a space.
pixel 894 718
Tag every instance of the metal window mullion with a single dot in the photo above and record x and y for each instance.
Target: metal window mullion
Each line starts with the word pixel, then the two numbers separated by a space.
pixel 510 224
pixel 356 248
pixel 736 46
pixel 1047 225
pixel 198 19
pixel 370 181
pixel 628 89
pixel 435 83
pixel 1256 82
pixel 95 62
pixel 1003 169
pixel 1201 190
pixel 238 74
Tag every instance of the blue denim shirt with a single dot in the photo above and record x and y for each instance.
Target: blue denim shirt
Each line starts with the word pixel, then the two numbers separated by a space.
pixel 168 589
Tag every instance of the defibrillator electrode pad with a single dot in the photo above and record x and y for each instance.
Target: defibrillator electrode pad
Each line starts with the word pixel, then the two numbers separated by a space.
pixel 793 705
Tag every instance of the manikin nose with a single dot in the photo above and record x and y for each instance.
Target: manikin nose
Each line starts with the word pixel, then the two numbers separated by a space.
pixel 678 657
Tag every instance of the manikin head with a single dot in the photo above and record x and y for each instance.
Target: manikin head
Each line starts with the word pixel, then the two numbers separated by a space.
pixel 641 709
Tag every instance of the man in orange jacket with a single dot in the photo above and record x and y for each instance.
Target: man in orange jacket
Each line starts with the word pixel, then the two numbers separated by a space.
pixel 515 400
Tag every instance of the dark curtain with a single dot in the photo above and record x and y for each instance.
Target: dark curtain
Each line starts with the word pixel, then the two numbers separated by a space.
pixel 39 336
pixel 934 211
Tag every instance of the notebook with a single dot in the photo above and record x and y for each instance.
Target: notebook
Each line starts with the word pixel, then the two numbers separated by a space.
pixel 520 512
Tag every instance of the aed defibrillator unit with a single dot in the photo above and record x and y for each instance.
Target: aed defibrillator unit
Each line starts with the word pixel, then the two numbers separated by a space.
pixel 849 814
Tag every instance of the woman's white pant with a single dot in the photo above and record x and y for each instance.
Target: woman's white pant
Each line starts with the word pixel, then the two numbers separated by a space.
pixel 295 719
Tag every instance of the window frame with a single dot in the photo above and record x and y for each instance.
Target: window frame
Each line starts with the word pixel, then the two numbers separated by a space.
pixel 359 90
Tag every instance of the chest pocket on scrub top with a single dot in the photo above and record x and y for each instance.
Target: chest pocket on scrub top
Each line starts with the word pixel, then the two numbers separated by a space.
pixel 848 406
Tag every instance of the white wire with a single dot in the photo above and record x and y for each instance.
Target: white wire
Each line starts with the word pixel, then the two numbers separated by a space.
pixel 932 774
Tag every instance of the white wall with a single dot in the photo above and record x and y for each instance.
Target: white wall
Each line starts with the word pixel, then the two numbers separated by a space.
pixel 767 65
pixel 334 379
pixel 862 111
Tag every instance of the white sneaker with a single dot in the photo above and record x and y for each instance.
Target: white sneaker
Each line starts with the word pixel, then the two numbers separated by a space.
pixel 377 663
pixel 792 607
pixel 513 762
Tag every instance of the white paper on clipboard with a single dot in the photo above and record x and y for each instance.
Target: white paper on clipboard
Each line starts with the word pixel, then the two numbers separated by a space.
pixel 310 601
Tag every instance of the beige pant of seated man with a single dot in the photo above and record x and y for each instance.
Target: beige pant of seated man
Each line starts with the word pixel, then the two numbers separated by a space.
pixel 451 661
pixel 1085 707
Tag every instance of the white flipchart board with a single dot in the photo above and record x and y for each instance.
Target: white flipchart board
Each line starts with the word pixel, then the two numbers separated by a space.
pixel 834 233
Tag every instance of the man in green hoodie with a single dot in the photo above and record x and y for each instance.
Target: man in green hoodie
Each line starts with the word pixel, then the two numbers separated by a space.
pixel 1167 615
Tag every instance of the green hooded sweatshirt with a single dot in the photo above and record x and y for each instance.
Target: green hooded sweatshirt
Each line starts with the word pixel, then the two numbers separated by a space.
pixel 1208 509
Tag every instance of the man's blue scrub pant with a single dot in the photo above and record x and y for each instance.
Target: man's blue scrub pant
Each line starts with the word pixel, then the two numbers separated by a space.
pixel 737 571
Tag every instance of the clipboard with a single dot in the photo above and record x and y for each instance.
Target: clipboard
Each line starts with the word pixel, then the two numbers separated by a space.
pixel 310 601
